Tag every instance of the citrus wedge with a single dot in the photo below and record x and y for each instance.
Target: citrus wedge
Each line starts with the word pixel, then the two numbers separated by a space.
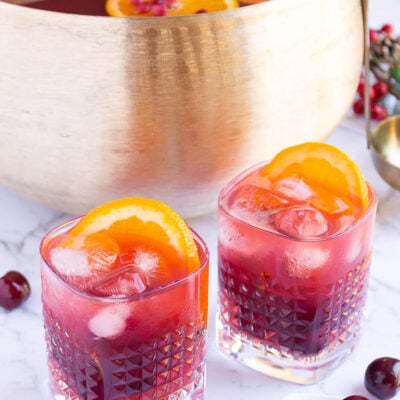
pixel 134 231
pixel 148 8
pixel 327 170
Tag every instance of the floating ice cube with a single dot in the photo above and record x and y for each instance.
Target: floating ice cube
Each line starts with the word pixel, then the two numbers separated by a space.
pixel 100 260
pixel 110 321
pixel 227 232
pixel 354 248
pixel 253 197
pixel 70 262
pixel 303 258
pixel 121 282
pixel 300 222
pixel 293 189
pixel 146 261
pixel 329 203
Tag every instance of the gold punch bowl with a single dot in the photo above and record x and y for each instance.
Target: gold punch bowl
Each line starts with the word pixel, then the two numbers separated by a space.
pixel 95 108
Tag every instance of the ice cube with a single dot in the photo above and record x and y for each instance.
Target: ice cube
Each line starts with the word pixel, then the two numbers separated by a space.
pixel 252 197
pixel 227 232
pixel 293 189
pixel 146 261
pixel 300 222
pixel 101 260
pixel 328 202
pixel 121 282
pixel 110 321
pixel 354 248
pixel 304 258
pixel 102 251
pixel 70 262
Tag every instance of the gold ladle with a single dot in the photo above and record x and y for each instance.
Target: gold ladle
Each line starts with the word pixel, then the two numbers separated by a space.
pixel 384 138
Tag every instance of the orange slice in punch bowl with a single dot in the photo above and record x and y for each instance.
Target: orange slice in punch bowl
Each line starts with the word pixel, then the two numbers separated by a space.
pixel 145 233
pixel 336 179
pixel 151 8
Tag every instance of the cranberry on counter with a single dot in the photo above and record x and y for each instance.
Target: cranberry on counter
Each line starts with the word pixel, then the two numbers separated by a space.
pixel 14 290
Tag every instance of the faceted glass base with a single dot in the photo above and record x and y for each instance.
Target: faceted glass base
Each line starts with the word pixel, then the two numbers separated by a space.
pixel 168 367
pixel 276 363
pixel 58 390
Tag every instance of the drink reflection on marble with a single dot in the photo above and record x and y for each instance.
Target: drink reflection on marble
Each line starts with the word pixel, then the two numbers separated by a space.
pixel 105 343
pixel 292 279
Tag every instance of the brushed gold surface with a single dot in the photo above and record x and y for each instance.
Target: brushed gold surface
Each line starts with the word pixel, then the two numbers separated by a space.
pixel 94 108
pixel 385 146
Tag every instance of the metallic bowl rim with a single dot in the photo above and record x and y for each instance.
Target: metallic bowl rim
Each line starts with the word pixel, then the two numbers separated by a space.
pixel 376 132
pixel 141 20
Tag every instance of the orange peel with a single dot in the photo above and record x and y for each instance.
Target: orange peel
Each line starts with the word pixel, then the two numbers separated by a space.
pixel 326 169
pixel 132 225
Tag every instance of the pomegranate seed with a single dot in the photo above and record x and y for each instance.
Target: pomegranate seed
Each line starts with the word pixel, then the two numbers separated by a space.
pixel 358 107
pixel 378 112
pixel 387 28
pixel 202 11
pixel 14 290
pixel 355 397
pixel 373 36
pixel 381 89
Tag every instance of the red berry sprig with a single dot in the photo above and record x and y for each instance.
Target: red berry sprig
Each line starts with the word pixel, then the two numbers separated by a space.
pixel 377 93
pixel 384 94
pixel 384 57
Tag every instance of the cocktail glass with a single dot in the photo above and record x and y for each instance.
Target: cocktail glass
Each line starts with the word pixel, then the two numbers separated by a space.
pixel 149 345
pixel 289 307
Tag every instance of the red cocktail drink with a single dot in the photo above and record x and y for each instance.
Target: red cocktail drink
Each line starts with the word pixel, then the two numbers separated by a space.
pixel 110 337
pixel 292 277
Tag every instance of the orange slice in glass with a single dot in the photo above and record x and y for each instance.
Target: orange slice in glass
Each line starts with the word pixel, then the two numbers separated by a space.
pixel 327 170
pixel 148 8
pixel 136 230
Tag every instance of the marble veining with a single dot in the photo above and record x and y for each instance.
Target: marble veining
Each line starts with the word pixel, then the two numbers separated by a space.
pixel 23 367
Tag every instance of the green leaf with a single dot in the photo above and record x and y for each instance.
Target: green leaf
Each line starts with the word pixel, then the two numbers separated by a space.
pixel 395 73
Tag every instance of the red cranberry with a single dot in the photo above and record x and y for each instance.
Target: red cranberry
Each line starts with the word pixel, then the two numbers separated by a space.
pixel 361 86
pixel 358 107
pixel 361 89
pixel 382 377
pixel 381 89
pixel 378 112
pixel 355 397
pixel 373 36
pixel 387 28
pixel 14 290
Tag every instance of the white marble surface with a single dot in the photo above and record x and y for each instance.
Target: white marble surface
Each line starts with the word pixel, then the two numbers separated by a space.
pixel 23 369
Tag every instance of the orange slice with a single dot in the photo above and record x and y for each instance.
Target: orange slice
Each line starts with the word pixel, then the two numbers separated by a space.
pixel 327 170
pixel 146 230
pixel 147 8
